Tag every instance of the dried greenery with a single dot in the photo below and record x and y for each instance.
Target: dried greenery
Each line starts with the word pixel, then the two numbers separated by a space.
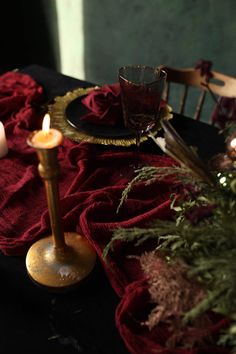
pixel 173 294
pixel 202 236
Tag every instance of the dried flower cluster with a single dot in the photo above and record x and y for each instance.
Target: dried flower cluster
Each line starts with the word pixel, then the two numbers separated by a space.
pixel 173 294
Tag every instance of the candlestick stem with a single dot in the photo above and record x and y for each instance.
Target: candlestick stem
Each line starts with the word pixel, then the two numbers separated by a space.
pixel 49 171
pixel 60 260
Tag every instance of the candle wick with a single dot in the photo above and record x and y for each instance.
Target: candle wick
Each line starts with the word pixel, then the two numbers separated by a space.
pixel 46 133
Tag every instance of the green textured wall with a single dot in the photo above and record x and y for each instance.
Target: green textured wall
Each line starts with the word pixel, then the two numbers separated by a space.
pixel 154 32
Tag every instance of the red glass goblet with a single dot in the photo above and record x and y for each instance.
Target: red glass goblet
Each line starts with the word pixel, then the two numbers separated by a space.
pixel 141 92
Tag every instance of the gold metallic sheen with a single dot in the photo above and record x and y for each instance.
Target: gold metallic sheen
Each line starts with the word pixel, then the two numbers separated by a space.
pixel 58 121
pixel 58 268
pixel 62 259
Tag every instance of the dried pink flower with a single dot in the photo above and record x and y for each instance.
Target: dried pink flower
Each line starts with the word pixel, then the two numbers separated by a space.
pixel 173 294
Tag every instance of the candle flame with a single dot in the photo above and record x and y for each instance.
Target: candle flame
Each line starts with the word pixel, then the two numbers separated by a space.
pixel 233 143
pixel 46 123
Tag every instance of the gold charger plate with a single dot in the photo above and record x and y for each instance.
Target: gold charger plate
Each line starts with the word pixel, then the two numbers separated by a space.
pixel 58 120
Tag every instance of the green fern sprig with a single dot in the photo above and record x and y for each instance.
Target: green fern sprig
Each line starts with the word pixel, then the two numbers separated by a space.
pixel 152 174
pixel 139 235
pixel 208 247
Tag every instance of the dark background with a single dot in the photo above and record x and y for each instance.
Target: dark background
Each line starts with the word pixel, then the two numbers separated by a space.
pixel 115 33
pixel 26 36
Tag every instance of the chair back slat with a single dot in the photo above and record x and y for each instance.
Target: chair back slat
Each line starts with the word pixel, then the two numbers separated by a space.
pixel 219 85
pixel 183 99
pixel 200 104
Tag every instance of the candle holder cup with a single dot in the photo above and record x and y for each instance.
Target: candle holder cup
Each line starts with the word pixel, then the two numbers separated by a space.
pixel 61 260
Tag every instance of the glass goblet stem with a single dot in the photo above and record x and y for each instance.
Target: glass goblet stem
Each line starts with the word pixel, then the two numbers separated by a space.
pixel 137 149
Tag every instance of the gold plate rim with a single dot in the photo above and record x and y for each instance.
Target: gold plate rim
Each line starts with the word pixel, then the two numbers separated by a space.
pixel 58 120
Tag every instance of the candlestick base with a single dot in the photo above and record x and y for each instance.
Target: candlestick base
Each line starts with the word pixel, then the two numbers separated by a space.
pixel 59 268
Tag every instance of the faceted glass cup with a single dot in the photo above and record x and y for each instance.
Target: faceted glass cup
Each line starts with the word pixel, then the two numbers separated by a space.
pixel 141 92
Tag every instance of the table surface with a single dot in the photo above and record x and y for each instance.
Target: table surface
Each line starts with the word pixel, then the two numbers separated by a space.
pixel 33 320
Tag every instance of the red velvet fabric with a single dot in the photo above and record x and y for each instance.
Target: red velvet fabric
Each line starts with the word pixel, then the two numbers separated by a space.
pixel 104 105
pixel 90 184
pixel 133 309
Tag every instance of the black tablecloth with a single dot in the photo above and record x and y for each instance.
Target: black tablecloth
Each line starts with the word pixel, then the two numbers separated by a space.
pixel 34 320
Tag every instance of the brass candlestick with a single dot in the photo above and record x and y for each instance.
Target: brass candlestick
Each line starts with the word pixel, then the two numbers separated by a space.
pixel 60 260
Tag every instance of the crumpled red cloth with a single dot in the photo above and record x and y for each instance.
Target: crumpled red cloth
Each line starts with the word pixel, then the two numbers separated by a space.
pixel 91 182
pixel 205 67
pixel 224 112
pixel 104 106
pixel 132 311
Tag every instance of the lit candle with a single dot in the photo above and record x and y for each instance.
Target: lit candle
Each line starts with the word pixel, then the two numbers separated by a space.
pixel 233 143
pixel 47 138
pixel 231 147
pixel 3 141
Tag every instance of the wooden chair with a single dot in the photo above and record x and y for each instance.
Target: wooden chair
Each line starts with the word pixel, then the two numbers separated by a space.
pixel 219 85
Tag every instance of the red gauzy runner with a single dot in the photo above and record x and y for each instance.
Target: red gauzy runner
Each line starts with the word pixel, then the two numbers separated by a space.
pixel 91 183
